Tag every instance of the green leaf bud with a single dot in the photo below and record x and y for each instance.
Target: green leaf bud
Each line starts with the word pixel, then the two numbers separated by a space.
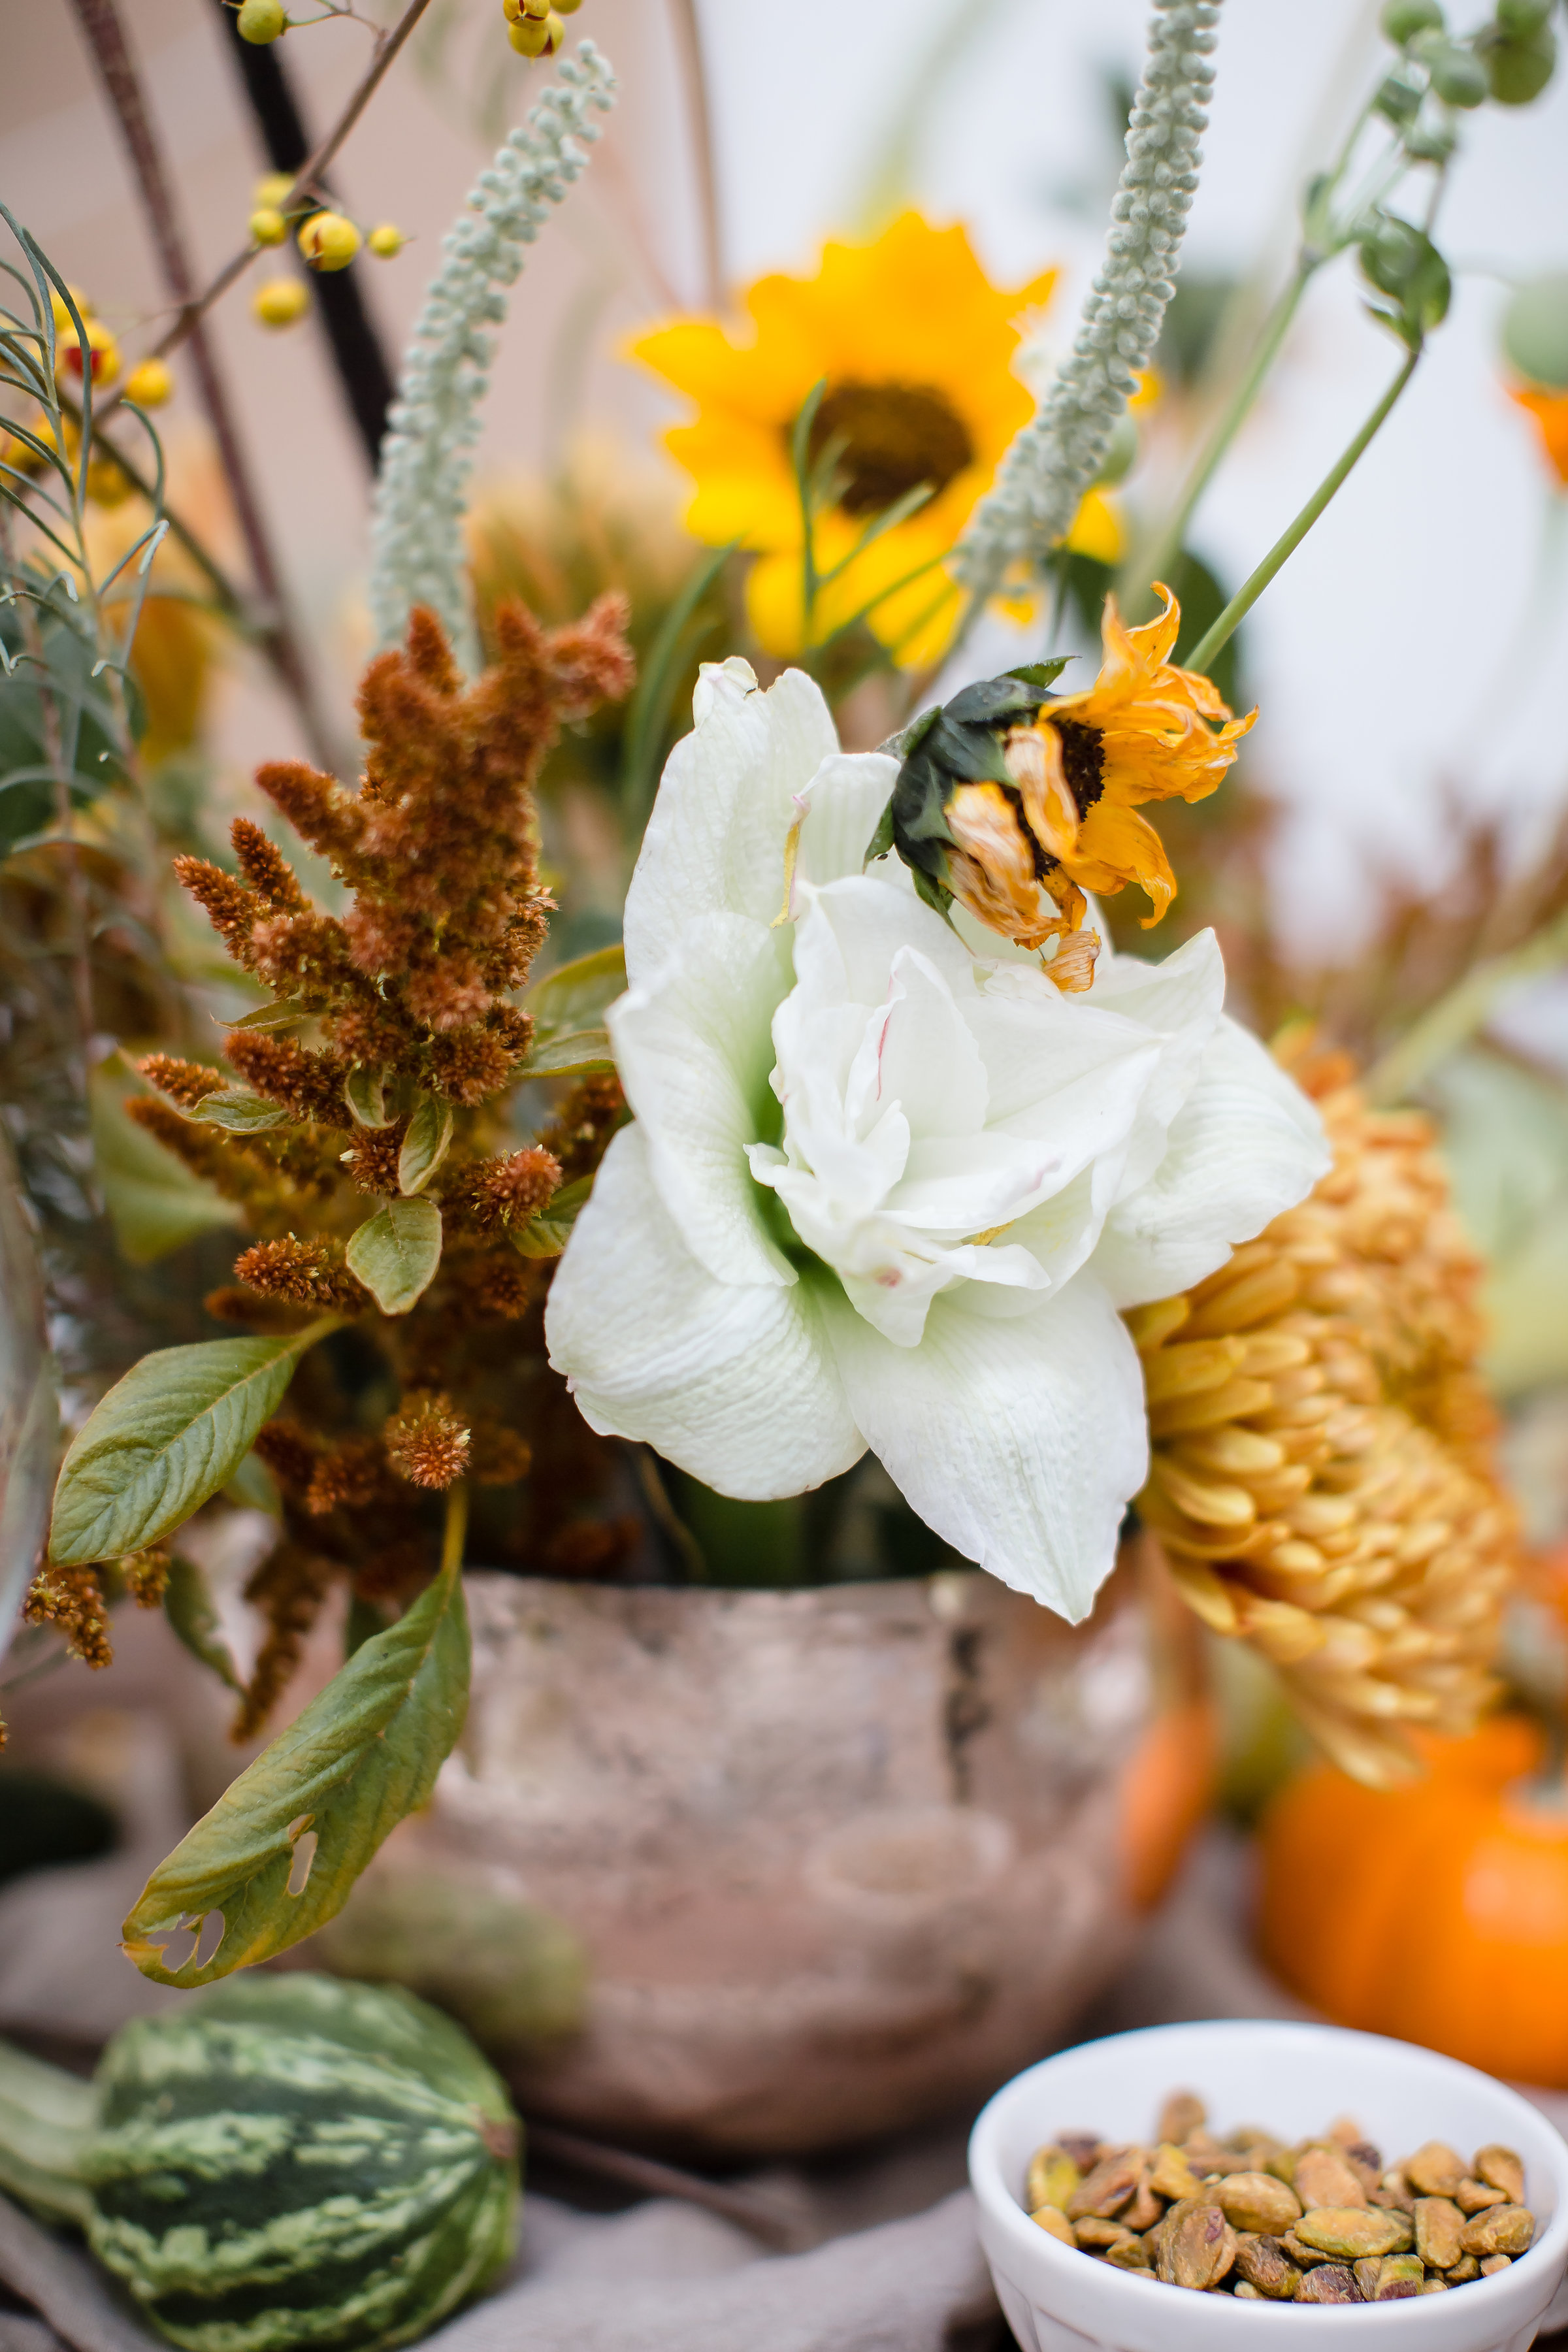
pixel 1429 143
pixel 1459 77
pixel 1535 331
pixel 1403 19
pixel 1401 260
pixel 261 21
pixel 1519 69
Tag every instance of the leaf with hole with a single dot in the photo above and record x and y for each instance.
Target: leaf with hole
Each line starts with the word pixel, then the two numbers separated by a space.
pixel 425 1144
pixel 363 1754
pixel 547 1234
pixel 238 1112
pixel 165 1438
pixel 364 1091
pixel 395 1252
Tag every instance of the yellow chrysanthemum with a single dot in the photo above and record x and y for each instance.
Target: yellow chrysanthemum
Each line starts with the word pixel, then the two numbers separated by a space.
pixel 1322 1474
pixel 915 348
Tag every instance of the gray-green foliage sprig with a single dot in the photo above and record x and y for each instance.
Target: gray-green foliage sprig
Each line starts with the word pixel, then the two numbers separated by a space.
pixel 1056 455
pixel 417 537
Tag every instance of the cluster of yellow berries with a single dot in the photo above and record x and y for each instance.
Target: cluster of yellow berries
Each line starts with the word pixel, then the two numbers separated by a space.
pixel 327 240
pixel 534 27
pixel 149 382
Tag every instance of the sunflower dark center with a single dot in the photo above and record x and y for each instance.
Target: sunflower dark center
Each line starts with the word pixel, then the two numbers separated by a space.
pixel 893 438
pixel 1083 760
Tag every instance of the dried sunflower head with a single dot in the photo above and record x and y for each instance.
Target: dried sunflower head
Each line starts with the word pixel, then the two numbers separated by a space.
pixel 1322 1473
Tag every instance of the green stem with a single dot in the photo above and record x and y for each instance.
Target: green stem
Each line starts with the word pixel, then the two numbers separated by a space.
pixel 47 2117
pixel 1285 546
pixel 1467 1008
pixel 1138 573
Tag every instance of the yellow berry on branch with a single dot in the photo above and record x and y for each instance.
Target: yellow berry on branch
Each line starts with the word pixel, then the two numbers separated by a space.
pixel 261 21
pixel 329 241
pixel 150 382
pixel 537 36
pixel 567 7
pixel 386 242
pixel 271 188
pixel 280 302
pixel 267 225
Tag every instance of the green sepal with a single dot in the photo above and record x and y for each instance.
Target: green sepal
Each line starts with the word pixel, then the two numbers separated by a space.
pixel 881 841
pixel 1042 673
pixel 936 894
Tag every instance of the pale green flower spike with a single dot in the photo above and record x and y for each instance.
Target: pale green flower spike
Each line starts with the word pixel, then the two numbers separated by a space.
pixel 417 537
pixel 1054 459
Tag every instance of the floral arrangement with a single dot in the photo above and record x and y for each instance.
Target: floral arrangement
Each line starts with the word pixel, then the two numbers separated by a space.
pixel 875 1130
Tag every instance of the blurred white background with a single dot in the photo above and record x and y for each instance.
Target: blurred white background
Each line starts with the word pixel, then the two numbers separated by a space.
pixel 1374 657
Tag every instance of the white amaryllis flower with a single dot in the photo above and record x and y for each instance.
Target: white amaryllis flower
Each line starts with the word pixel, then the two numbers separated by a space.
pixel 885 1189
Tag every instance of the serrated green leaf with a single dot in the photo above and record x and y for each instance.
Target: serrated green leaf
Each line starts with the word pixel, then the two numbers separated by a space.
pixel 395 1252
pixel 583 1054
pixel 281 1015
pixel 237 1112
pixel 364 1091
pixel 425 1145
pixel 547 1234
pixel 154 1202
pixel 187 1605
pixel 362 1755
pixel 165 1438
pixel 570 1039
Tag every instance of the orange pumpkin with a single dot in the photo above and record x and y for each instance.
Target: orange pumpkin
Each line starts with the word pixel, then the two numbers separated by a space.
pixel 1438 1912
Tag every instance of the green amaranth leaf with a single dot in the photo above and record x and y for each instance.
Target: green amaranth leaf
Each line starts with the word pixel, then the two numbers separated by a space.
pixel 547 1234
pixel 568 1009
pixel 364 1091
pixel 425 1145
pixel 395 1252
pixel 281 1015
pixel 154 1202
pixel 165 1438
pixel 362 1755
pixel 187 1605
pixel 238 1111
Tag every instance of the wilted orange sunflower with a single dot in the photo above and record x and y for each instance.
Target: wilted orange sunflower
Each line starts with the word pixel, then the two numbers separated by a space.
pixel 915 348
pixel 1550 409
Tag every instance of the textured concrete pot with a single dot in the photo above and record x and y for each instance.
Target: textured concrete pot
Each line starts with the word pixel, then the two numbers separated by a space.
pixel 841 1858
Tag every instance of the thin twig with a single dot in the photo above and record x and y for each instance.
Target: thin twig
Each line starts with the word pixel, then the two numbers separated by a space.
pixel 55 753
pixel 699 125
pixel 761 2216
pixel 1463 1011
pixel 192 306
pixel 111 54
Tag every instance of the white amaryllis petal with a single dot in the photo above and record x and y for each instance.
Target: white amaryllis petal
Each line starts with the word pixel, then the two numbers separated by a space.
pixel 920 1242
pixel 735 1381
pixel 715 842
pixel 1018 1438
pixel 693 1052
pixel 1239 1149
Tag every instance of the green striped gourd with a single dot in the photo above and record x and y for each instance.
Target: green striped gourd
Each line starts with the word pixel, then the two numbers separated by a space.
pixel 293 2161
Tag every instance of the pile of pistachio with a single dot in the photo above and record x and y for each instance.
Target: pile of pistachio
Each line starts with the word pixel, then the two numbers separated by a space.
pixel 1320 2220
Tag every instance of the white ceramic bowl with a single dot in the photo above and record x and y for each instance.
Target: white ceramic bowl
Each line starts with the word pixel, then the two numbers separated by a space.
pixel 1290 2079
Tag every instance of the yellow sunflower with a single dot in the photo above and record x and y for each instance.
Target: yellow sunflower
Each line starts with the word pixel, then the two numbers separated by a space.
pixel 914 348
pixel 1143 732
